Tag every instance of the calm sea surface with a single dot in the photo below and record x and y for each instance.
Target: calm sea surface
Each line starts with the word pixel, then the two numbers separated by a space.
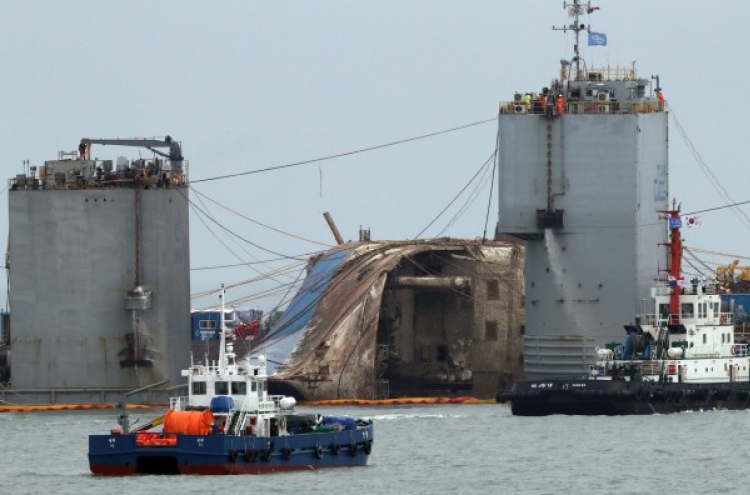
pixel 462 449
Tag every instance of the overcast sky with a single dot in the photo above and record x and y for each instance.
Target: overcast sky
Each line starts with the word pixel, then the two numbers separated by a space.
pixel 248 85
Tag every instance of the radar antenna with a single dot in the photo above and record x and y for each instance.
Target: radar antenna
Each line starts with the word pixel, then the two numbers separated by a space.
pixel 575 10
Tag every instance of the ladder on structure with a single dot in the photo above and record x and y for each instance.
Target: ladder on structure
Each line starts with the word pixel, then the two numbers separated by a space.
pixel 235 421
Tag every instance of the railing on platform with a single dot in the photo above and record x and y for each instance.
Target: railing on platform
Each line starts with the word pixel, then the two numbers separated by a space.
pixel 585 107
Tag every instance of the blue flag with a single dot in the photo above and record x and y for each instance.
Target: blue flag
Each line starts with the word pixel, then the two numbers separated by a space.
pixel 597 39
pixel 675 223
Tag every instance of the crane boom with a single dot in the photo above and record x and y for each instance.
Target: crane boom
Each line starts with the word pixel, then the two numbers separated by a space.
pixel 174 155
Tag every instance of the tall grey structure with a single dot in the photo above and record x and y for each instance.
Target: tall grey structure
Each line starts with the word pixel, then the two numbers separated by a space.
pixel 583 174
pixel 99 275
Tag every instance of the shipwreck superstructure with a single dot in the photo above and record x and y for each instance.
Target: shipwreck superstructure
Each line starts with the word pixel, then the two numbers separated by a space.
pixel 583 172
pixel 381 319
pixel 98 264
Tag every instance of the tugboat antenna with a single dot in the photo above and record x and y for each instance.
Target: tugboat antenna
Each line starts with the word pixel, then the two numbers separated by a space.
pixel 222 336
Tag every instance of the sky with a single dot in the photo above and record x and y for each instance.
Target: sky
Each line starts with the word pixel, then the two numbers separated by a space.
pixel 252 85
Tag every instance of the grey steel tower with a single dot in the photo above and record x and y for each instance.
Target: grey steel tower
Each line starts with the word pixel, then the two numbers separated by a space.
pixel 583 172
pixel 99 275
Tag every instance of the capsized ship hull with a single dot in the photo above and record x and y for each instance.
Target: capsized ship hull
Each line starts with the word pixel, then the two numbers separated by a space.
pixel 375 320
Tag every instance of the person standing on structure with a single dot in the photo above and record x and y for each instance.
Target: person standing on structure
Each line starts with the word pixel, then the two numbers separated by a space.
pixel 560 104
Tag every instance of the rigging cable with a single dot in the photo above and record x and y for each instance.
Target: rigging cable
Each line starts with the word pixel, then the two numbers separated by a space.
pixel 347 153
pixel 456 197
pixel 741 215
pixel 495 168
pixel 481 182
pixel 239 236
pixel 257 222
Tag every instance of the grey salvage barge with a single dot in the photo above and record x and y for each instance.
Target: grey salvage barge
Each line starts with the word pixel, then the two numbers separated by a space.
pixel 385 319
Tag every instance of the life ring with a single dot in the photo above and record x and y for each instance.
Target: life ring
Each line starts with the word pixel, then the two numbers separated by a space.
pixel 723 319
pixel 233 456
pixel 318 452
pixel 250 455
pixel 734 350
pixel 353 449
pixel 286 454
pixel 335 449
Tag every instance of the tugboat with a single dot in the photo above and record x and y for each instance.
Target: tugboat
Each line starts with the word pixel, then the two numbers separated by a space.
pixel 681 357
pixel 229 424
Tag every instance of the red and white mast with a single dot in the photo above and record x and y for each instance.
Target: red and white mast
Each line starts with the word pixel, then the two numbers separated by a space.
pixel 674 271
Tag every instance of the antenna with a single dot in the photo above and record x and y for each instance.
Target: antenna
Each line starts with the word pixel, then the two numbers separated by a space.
pixel 575 10
pixel 222 336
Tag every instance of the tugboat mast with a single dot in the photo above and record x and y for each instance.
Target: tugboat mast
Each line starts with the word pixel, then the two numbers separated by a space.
pixel 575 10
pixel 675 262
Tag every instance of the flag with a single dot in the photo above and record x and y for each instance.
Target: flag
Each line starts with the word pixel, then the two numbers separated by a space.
pixel 675 223
pixel 690 220
pixel 597 39
pixel 591 10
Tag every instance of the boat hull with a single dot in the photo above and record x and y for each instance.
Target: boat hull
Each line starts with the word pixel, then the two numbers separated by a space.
pixel 619 397
pixel 120 455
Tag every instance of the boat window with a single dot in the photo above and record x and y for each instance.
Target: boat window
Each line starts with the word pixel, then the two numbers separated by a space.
pixel 199 388
pixel 704 338
pixel 207 325
pixel 239 388
pixel 490 330
pixel 253 386
pixel 722 338
pixel 664 310
pixel 702 310
pixel 687 310
pixel 493 290
pixel 221 388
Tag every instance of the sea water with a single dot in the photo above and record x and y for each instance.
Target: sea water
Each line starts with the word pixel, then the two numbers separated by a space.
pixel 426 449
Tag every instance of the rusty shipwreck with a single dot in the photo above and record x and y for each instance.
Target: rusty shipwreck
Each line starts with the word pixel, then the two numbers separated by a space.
pixel 384 319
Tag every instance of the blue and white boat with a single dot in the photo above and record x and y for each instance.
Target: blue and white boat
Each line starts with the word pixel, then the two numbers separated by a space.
pixel 229 424
pixel 681 356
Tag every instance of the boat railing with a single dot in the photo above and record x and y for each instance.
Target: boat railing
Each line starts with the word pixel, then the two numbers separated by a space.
pixel 268 406
pixel 601 74
pixel 67 181
pixel 724 318
pixel 178 403
pixel 649 319
pixel 585 107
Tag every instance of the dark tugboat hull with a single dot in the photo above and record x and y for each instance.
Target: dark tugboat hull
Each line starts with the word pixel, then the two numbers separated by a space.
pixel 618 397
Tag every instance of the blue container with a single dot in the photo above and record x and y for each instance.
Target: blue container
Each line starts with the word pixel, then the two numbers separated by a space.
pixel 221 404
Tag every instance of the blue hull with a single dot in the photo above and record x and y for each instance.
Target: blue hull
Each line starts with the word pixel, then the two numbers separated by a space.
pixel 117 454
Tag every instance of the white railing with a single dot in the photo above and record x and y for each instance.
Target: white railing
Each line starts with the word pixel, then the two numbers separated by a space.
pixel 178 403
